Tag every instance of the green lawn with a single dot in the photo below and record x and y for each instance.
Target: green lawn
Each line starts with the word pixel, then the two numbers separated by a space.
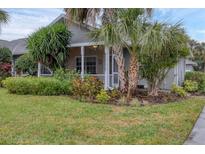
pixel 61 120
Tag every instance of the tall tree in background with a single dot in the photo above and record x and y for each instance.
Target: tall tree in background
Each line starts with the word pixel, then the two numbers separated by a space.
pixel 4 17
pixel 198 54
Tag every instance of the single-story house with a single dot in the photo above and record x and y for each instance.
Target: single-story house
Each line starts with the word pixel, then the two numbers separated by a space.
pixel 94 58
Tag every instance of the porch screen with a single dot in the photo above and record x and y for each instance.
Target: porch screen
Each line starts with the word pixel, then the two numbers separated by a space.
pixel 89 64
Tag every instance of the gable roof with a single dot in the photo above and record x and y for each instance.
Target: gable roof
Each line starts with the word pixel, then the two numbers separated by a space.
pixel 79 31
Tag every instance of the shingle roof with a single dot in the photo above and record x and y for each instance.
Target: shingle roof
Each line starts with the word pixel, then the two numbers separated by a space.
pixel 17 47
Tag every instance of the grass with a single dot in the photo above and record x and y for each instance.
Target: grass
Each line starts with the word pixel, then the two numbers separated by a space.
pixel 61 120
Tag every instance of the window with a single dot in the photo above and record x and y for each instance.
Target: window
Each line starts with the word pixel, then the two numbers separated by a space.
pixel 89 65
pixel 45 70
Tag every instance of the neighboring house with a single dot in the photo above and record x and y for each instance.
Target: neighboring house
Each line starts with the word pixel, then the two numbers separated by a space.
pixel 18 48
pixel 89 57
pixel 190 65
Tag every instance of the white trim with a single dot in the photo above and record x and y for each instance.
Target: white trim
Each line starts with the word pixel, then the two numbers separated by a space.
pixel 82 53
pixel 85 44
pixel 39 69
pixel 107 68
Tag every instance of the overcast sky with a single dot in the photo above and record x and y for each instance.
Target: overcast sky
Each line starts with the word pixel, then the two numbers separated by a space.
pixel 25 21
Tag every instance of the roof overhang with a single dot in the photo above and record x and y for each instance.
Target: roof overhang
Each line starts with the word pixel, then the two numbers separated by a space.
pixel 85 44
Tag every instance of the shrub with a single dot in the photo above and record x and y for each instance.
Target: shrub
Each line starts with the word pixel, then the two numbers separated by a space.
pixel 68 74
pixel 115 94
pixel 190 86
pixel 25 63
pixel 103 97
pixel 5 71
pixel 178 90
pixel 5 63
pixel 198 77
pixel 87 88
pixel 37 86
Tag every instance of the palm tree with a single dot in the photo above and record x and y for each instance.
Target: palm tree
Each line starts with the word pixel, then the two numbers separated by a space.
pixel 162 46
pixel 4 17
pixel 109 34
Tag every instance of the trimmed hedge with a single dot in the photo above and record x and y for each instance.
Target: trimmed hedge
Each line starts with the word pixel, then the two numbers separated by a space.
pixel 198 77
pixel 37 86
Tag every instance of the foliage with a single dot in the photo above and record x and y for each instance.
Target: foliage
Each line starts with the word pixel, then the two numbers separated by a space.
pixel 5 63
pixel 198 77
pixel 103 97
pixel 88 88
pixel 3 16
pixel 37 86
pixel 5 55
pixel 114 94
pixel 190 86
pixel 49 45
pixel 25 63
pixel 198 52
pixel 162 48
pixel 62 120
pixel 178 90
pixel 67 74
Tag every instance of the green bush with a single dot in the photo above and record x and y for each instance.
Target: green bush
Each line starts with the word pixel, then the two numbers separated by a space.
pixel 68 74
pixel 87 88
pixel 198 77
pixel 26 64
pixel 190 86
pixel 103 97
pixel 178 90
pixel 37 86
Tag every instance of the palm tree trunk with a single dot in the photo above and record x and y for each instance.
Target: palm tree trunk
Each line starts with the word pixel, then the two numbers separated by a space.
pixel 118 51
pixel 132 75
pixel 153 89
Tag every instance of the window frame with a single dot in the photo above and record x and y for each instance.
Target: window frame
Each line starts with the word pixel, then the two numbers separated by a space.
pixel 85 70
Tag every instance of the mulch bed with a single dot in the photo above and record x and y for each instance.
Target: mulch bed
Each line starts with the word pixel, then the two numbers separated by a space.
pixel 163 97
pixel 142 97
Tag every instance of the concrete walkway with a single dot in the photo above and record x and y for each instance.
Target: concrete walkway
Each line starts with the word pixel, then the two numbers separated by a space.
pixel 197 135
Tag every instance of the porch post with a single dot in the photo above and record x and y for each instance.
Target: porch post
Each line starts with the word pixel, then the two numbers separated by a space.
pixel 82 61
pixel 107 68
pixel 12 67
pixel 39 69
